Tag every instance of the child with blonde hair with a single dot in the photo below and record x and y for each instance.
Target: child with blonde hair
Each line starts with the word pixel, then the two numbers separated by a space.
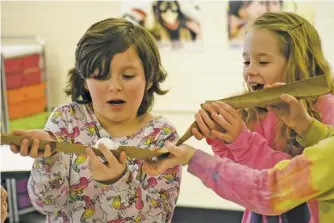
pixel 279 47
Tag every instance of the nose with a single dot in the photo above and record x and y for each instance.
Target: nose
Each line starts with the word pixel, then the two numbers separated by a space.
pixel 250 71
pixel 114 85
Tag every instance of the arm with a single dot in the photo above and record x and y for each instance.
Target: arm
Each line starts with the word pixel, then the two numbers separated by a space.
pixel 219 148
pixel 277 190
pixel 49 180
pixel 251 149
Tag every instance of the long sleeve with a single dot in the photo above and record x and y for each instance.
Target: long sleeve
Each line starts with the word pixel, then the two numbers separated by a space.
pixel 251 149
pixel 273 191
pixel 219 149
pixel 160 192
pixel 48 183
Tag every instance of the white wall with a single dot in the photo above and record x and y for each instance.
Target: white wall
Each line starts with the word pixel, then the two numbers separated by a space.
pixel 213 73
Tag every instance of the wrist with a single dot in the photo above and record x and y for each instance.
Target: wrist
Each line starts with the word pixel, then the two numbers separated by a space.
pixel 302 128
pixel 191 153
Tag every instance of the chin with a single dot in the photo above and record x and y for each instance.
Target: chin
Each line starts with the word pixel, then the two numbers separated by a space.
pixel 116 118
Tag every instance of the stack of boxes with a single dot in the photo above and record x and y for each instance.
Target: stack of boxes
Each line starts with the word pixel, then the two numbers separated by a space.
pixel 25 89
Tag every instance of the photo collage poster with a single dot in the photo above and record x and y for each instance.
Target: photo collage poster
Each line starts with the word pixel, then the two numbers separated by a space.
pixel 242 13
pixel 174 24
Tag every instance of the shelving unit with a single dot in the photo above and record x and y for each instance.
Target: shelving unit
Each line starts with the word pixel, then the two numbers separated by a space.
pixel 24 105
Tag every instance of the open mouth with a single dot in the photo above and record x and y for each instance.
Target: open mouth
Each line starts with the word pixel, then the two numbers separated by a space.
pixel 256 86
pixel 116 102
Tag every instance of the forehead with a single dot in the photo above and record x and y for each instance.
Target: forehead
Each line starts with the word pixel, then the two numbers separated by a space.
pixel 128 58
pixel 261 41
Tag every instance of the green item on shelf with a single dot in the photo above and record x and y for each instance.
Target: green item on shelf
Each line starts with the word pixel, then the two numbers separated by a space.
pixel 31 122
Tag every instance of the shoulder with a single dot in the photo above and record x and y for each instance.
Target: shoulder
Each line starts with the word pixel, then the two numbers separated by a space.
pixel 160 127
pixel 71 111
pixel 161 122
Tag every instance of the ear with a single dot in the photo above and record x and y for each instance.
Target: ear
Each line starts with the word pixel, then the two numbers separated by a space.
pixel 85 85
pixel 149 86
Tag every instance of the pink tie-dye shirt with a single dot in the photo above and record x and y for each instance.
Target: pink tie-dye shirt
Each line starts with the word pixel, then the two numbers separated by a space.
pixel 63 188
pixel 256 149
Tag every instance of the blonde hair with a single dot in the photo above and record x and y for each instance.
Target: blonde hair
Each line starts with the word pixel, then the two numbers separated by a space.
pixel 300 44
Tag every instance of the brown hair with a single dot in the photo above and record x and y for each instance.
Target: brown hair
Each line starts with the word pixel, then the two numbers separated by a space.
pixel 301 46
pixel 96 49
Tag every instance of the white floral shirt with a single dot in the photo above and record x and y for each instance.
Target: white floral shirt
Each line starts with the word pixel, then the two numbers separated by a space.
pixel 62 186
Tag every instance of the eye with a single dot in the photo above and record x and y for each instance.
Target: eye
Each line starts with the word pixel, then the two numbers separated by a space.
pixel 128 76
pixel 246 63
pixel 263 62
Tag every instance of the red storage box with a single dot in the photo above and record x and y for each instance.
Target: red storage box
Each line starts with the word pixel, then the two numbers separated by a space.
pixel 26 93
pixel 18 64
pixel 26 108
pixel 31 61
pixel 29 77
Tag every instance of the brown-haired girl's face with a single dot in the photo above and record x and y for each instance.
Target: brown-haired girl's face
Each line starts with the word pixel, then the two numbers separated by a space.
pixel 118 97
pixel 263 60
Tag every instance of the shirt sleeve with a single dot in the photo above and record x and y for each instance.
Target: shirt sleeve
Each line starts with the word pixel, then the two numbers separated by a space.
pixel 251 149
pixel 273 191
pixel 49 179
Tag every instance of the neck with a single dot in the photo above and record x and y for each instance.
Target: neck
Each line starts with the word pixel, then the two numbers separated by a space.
pixel 126 127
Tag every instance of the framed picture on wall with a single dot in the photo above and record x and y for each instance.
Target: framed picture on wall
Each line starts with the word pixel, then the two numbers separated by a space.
pixel 242 13
pixel 174 24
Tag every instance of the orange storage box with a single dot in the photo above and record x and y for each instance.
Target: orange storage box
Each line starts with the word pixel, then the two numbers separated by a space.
pixel 26 93
pixel 19 64
pixel 26 108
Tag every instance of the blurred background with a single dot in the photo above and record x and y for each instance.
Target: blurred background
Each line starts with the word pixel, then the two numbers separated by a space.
pixel 201 48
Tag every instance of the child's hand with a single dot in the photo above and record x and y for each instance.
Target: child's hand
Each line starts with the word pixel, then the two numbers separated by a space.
pixel 228 119
pixel 205 123
pixel 110 172
pixel 178 155
pixel 4 208
pixel 292 112
pixel 36 135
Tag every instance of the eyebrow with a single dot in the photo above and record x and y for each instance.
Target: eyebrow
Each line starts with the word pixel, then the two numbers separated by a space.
pixel 130 66
pixel 257 54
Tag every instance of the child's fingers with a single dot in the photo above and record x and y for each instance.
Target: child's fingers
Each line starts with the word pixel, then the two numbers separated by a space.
pixel 24 148
pixel 224 113
pixel 277 84
pixel 93 159
pixel 14 148
pixel 221 121
pixel 150 168
pixel 229 109
pixel 207 107
pixel 47 151
pixel 208 121
pixel 292 101
pixel 201 124
pixel 108 154
pixel 34 148
pixel 197 134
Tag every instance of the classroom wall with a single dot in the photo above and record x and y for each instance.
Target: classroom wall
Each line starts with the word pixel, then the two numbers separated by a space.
pixel 211 73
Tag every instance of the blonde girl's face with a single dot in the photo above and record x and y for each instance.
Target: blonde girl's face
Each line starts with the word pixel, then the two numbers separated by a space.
pixel 263 60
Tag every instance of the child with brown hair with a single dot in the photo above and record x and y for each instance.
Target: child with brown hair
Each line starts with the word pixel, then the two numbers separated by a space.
pixel 117 71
